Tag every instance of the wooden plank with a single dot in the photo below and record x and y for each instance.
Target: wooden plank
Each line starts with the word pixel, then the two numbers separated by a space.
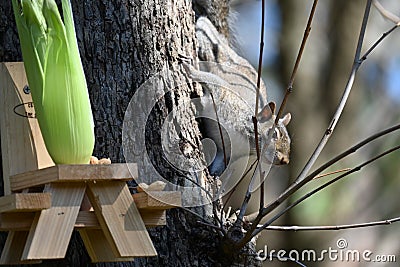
pixel 16 221
pixel 86 219
pixel 154 218
pixel 157 200
pixel 98 247
pixel 22 144
pixel 13 248
pixel 74 173
pixel 120 219
pixel 25 202
pixel 51 229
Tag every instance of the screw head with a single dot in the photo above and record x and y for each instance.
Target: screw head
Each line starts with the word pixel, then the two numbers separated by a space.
pixel 27 90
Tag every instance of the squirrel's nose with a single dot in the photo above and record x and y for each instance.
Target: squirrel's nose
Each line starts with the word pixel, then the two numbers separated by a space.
pixel 282 159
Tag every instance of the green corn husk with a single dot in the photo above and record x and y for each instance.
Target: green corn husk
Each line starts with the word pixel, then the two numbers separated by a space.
pixel 56 79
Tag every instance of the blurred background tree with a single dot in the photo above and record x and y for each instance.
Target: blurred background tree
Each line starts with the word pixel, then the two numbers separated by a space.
pixel 369 195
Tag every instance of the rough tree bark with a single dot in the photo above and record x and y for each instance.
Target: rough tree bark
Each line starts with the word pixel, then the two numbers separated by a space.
pixel 122 44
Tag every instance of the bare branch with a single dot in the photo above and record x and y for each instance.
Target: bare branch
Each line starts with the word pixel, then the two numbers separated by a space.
pixel 332 227
pixel 386 13
pixel 291 190
pixel 355 169
pixel 343 100
pixel 230 194
pixel 219 129
pixel 222 231
pixel 252 216
pixel 260 57
pixel 289 88
pixel 303 178
pixel 384 35
pixel 219 229
pixel 245 202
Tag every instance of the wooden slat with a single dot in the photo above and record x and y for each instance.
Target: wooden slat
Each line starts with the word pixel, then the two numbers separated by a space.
pixel 51 229
pixel 120 219
pixel 16 221
pixel 158 200
pixel 13 248
pixel 22 143
pixel 98 247
pixel 74 173
pixel 154 218
pixel 86 219
pixel 25 202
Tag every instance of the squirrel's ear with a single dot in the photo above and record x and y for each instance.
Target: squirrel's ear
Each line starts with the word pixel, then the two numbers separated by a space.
pixel 272 106
pixel 286 119
pixel 266 113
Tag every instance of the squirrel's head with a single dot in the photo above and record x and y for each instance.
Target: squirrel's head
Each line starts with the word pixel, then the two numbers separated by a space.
pixel 280 134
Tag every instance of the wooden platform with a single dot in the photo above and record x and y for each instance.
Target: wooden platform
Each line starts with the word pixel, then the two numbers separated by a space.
pixel 66 173
pixel 43 203
pixel 115 221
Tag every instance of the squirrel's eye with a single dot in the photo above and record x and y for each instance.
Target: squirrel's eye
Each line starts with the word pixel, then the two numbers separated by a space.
pixel 277 134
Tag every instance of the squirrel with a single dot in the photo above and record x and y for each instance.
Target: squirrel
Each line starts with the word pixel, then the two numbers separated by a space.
pixel 226 110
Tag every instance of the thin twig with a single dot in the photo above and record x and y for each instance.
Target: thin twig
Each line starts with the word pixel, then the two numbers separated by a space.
pixel 291 190
pixel 309 194
pixel 210 197
pixel 330 173
pixel 289 88
pixel 252 217
pixel 289 259
pixel 211 226
pixel 302 179
pixel 230 194
pixel 343 100
pixel 296 228
pixel 255 122
pixel 222 231
pixel 260 58
pixel 346 153
pixel 214 203
pixel 384 35
pixel 219 129
pixel 386 13
pixel 245 202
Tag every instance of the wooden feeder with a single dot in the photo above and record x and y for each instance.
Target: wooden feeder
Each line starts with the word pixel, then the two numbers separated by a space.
pixel 43 202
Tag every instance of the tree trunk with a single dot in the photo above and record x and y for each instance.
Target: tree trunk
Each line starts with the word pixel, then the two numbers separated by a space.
pixel 122 44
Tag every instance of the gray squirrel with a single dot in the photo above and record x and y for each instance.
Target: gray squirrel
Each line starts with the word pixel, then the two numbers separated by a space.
pixel 226 110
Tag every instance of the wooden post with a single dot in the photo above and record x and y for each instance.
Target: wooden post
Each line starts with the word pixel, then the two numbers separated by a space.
pixel 22 143
pixel 52 228
pixel 120 219
pixel 13 248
